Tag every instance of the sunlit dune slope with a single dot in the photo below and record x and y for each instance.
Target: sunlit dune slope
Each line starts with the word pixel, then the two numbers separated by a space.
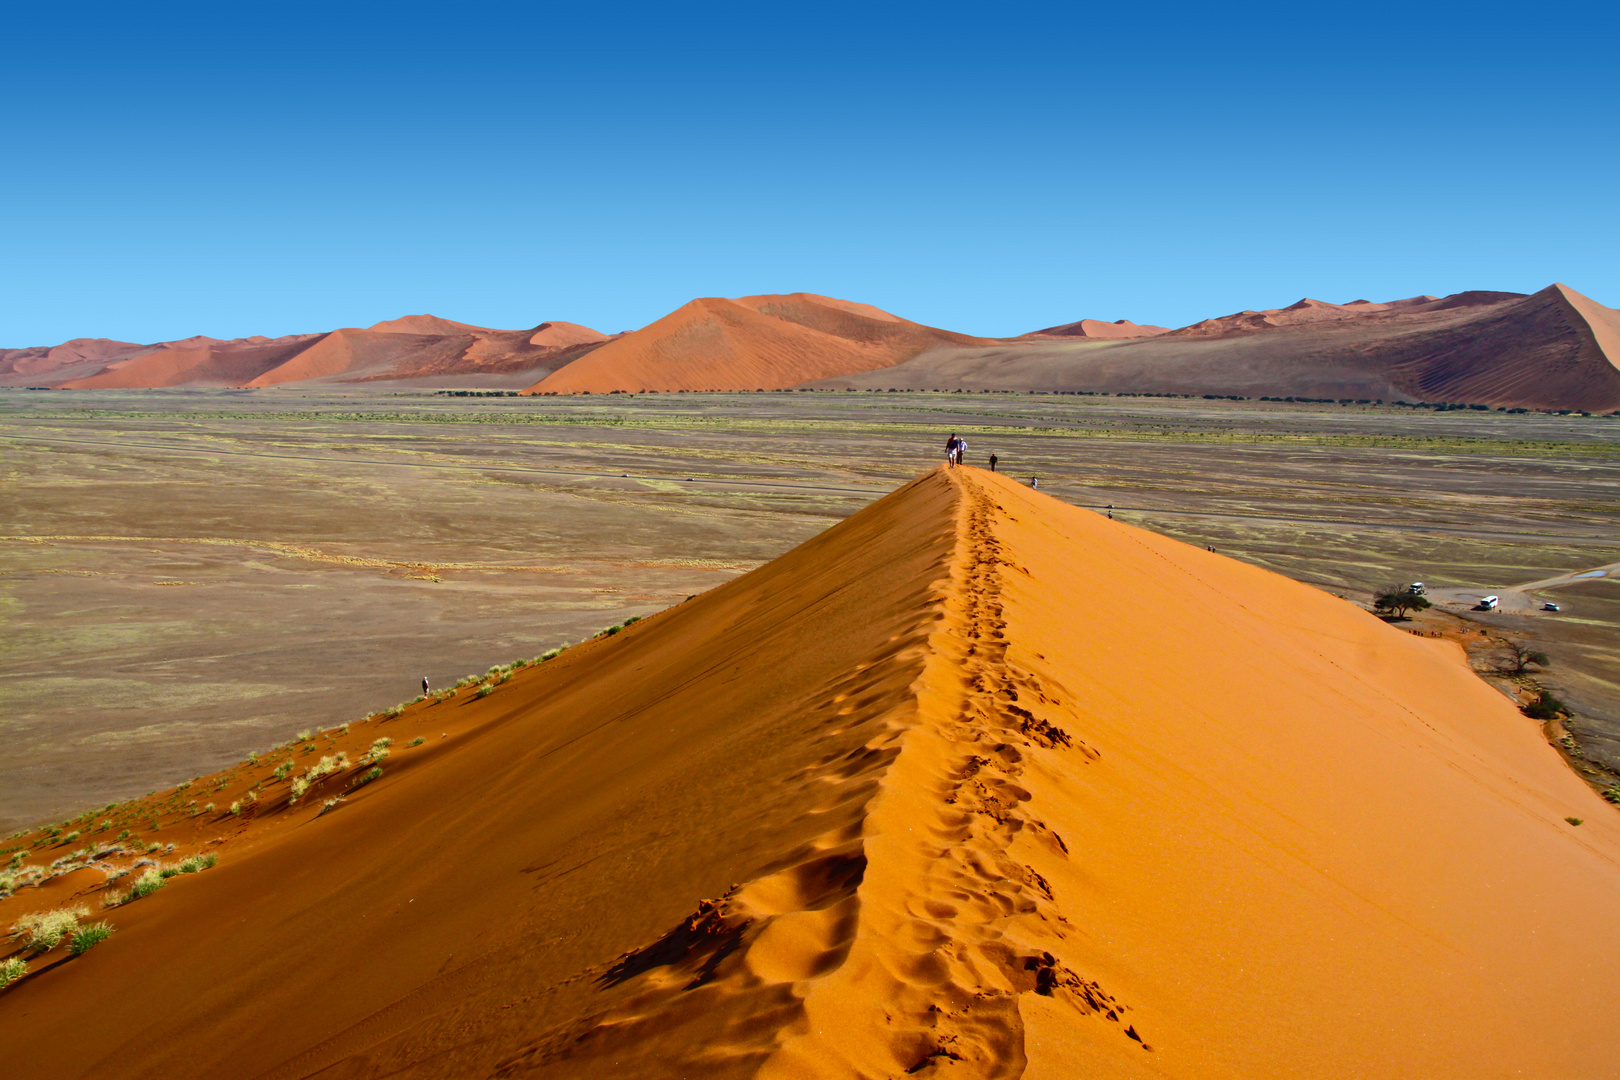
pixel 974 784
pixel 752 343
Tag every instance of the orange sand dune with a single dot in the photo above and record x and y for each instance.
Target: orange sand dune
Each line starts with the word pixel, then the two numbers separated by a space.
pixel 414 348
pixel 1092 328
pixel 974 784
pixel 752 343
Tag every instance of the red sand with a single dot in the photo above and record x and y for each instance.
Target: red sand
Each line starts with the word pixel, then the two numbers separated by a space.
pixel 974 784
pixel 1108 331
pixel 752 343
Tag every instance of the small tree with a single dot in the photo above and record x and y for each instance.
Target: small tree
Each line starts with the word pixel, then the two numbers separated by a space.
pixel 1545 707
pixel 1397 601
pixel 1521 657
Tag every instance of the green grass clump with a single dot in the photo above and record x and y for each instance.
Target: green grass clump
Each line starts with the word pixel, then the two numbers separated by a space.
pixel 302 736
pixel 86 938
pixel 418 741
pixel 70 837
pixel 104 824
pixel 44 930
pixel 485 690
pixel 1612 794
pixel 299 786
pixel 12 970
pixel 375 774
pixel 148 883
pixel 198 862
pixel 283 769
pixel 124 835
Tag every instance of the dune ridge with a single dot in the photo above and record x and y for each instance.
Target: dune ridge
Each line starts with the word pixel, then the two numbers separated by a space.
pixel 973 784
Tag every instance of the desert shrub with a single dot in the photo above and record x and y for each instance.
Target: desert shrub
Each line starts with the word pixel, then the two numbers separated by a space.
pixel 124 835
pixel 253 758
pixel 12 970
pixel 375 774
pixel 299 786
pixel 44 930
pixel 209 809
pixel 485 690
pixel 302 736
pixel 148 883
pixel 397 710
pixel 520 663
pixel 1612 794
pixel 418 741
pixel 103 824
pixel 70 837
pixel 343 729
pixel 1575 820
pixel 610 631
pixel 86 938
pixel 631 619
pixel 197 862
pixel 182 785
pixel 551 654
pixel 282 770
pixel 236 808
pixel 1545 707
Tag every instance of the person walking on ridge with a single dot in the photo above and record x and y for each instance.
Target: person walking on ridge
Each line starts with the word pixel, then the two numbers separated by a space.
pixel 961 448
pixel 950 450
pixel 424 686
pixel 992 463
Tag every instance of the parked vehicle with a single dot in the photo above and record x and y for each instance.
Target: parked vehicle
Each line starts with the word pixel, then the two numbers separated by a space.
pixel 1550 606
pixel 1416 588
pixel 1488 603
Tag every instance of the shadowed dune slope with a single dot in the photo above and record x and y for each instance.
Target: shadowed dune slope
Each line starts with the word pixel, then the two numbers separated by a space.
pixel 1555 349
pixel 752 343
pixel 974 784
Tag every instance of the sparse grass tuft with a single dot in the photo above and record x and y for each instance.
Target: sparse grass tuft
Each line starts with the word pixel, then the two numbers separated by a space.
pixel 375 774
pixel 197 862
pixel 343 730
pixel 303 736
pixel 12 970
pixel 209 809
pixel 418 741
pixel 44 930
pixel 86 938
pixel 283 769
pixel 70 837
pixel 485 690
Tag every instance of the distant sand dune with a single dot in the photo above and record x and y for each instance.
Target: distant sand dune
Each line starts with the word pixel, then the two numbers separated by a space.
pixel 973 784
pixel 752 343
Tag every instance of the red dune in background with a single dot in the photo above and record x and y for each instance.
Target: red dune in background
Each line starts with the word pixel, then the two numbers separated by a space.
pixel 752 343
pixel 414 348
pixel 1092 328
pixel 908 800
pixel 1555 349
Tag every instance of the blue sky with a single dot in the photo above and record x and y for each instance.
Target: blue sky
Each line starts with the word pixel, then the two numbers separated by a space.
pixel 185 168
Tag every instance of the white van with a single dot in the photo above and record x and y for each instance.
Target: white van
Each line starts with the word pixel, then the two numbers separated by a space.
pixel 1488 603
pixel 1416 588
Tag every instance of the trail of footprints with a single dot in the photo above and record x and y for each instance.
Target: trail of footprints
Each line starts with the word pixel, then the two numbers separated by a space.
pixel 974 884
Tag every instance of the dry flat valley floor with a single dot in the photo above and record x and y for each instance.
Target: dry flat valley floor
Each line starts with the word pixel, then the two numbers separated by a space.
pixel 189 575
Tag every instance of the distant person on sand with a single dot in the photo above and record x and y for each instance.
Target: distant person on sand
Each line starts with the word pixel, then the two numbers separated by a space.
pixel 950 450
pixel 424 686
pixel 1035 482
pixel 961 448
pixel 992 463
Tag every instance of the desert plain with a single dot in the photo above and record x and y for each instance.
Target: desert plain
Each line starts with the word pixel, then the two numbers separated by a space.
pixel 187 576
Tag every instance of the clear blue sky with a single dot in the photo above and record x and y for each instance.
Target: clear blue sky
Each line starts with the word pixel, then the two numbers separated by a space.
pixel 223 169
